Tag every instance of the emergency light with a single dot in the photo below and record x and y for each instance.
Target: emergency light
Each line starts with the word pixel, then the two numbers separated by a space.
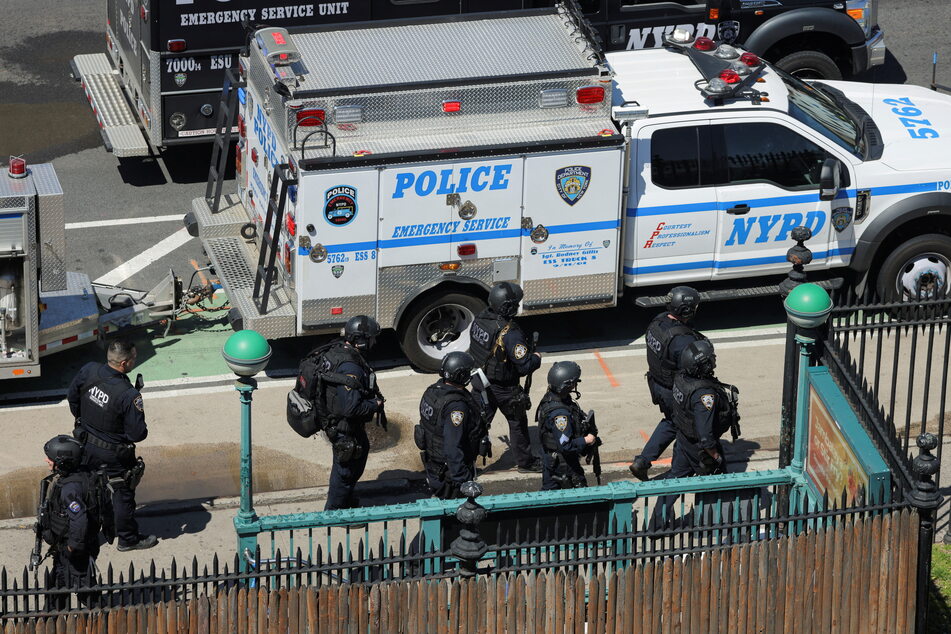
pixel 310 117
pixel 17 167
pixel 704 44
pixel 175 46
pixel 589 94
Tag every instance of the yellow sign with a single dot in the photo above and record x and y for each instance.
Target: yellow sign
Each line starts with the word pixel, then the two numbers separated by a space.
pixel 830 461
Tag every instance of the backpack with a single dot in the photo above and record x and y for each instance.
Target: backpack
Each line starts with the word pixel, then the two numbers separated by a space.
pixel 308 411
pixel 97 498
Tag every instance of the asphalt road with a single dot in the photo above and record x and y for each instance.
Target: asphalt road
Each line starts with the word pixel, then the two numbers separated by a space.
pixel 44 116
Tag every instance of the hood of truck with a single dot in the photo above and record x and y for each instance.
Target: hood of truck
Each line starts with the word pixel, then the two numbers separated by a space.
pixel 912 141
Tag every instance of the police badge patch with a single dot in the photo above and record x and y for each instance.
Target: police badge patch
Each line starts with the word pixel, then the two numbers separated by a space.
pixel 728 31
pixel 75 506
pixel 180 79
pixel 456 417
pixel 138 403
pixel 520 351
pixel 561 422
pixel 841 218
pixel 337 270
pixel 341 205
pixel 572 182
pixel 707 400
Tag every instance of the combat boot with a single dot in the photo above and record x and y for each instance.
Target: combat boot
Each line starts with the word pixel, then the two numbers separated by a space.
pixel 639 468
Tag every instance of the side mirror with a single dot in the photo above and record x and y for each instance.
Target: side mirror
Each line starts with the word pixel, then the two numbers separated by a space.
pixel 139 381
pixel 830 179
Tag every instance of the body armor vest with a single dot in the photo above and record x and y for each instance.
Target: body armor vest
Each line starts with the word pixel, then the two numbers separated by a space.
pixel 546 430
pixel 684 388
pixel 486 347
pixel 660 333
pixel 435 399
pixel 56 521
pixel 97 408
pixel 326 367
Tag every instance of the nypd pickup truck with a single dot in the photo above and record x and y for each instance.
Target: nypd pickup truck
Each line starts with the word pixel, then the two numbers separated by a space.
pixel 400 170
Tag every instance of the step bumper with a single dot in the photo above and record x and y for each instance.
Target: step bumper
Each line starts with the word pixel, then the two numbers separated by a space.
pixel 117 121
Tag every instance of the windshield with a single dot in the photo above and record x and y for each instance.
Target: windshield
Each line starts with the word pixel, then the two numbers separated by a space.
pixel 821 113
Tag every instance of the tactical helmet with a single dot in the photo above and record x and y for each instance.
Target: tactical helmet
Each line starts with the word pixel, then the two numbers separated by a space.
pixel 504 298
pixel 457 367
pixel 564 377
pixel 684 302
pixel 65 451
pixel 361 331
pixel 698 359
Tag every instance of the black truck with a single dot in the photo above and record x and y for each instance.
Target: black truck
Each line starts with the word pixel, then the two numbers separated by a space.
pixel 158 83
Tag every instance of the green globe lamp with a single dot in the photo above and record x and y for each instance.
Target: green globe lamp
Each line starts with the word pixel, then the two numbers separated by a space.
pixel 808 306
pixel 246 352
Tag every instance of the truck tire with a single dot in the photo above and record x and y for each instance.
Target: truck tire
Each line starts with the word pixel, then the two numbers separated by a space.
pixel 924 263
pixel 437 325
pixel 810 65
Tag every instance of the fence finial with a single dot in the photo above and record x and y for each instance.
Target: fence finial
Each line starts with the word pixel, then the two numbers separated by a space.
pixel 799 256
pixel 925 498
pixel 469 547
pixel 925 465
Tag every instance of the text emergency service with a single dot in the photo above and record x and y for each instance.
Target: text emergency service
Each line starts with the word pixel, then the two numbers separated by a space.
pixel 273 13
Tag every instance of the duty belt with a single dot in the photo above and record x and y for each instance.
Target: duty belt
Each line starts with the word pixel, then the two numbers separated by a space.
pixel 89 437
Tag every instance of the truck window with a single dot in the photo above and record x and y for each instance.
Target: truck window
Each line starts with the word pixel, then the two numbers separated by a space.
pixel 675 157
pixel 757 152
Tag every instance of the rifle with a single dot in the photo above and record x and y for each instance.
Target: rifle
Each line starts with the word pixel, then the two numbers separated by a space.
pixel 526 391
pixel 41 510
pixel 480 385
pixel 381 413
pixel 593 453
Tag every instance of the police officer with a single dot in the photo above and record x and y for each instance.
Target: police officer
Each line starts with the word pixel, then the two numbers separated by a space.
pixel 668 335
pixel 110 418
pixel 351 406
pixel 450 424
pixel 702 412
pixel 561 429
pixel 500 349
pixel 72 520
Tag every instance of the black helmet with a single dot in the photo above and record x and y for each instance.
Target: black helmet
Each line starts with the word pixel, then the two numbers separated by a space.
pixel 504 298
pixel 684 302
pixel 564 377
pixel 457 367
pixel 65 451
pixel 361 331
pixel 698 359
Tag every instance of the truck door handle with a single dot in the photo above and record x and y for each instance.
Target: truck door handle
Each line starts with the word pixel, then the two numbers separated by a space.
pixel 739 210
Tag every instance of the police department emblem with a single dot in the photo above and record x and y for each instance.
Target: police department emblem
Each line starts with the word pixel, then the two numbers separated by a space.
pixel 341 206
pixel 180 79
pixel 572 182
pixel 606 243
pixel 561 422
pixel 456 417
pixel 707 400
pixel 520 351
pixel 841 218
pixel 138 403
pixel 728 31
pixel 75 507
pixel 337 270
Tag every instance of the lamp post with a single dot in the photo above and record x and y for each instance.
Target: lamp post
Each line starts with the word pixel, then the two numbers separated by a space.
pixel 246 352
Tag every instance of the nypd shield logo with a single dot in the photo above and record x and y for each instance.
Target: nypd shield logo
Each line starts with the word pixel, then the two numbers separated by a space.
pixel 340 207
pixel 841 218
pixel 728 31
pixel 456 417
pixel 572 182
pixel 337 270
pixel 561 422
pixel 707 400
pixel 520 351
pixel 180 79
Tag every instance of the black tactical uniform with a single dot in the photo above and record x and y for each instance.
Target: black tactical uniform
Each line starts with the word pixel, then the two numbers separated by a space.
pixel 668 335
pixel 110 418
pixel 499 347
pixel 350 408
pixel 450 428
pixel 560 428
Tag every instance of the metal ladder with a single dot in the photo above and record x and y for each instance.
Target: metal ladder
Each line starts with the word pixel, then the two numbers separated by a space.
pixel 273 222
pixel 219 152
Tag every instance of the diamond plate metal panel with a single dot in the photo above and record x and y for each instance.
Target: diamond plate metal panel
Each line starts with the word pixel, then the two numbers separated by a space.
pixel 315 313
pixel 12 233
pixel 51 227
pixel 586 290
pixel 155 98
pixel 227 222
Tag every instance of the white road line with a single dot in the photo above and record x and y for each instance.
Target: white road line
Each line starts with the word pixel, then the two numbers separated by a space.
pixel 92 224
pixel 139 262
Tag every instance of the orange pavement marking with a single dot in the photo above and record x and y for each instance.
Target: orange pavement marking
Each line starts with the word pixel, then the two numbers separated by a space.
pixel 606 370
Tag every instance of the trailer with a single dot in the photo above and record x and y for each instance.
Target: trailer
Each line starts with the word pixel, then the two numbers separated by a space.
pixel 44 308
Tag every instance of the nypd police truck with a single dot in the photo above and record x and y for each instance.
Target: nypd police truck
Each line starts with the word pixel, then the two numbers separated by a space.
pixel 400 170
pixel 156 84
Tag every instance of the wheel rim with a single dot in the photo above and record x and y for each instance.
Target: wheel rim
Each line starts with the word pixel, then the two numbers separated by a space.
pixel 444 329
pixel 924 276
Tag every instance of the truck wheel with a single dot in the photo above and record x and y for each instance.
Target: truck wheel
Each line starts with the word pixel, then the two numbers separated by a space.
pixel 437 326
pixel 810 65
pixel 918 268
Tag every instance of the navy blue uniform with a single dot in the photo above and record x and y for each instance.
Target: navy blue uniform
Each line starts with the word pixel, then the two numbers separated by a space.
pixel 451 422
pixel 75 554
pixel 559 425
pixel 110 417
pixel 696 402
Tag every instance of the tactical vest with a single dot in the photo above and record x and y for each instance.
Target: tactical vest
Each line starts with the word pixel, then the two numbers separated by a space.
pixel 95 498
pixel 487 349
pixel 684 388
pixel 97 406
pixel 660 333
pixel 547 432
pixel 435 399
pixel 318 377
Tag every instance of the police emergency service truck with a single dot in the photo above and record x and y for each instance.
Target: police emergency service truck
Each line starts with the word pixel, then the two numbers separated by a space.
pixel 158 82
pixel 43 307
pixel 400 170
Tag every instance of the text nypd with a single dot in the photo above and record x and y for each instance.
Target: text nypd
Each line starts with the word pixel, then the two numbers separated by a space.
pixel 287 12
pixel 453 180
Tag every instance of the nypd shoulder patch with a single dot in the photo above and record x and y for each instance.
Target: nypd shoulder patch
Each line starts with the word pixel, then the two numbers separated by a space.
pixel 561 422
pixel 707 400
pixel 75 507
pixel 139 405
pixel 456 416
pixel 520 351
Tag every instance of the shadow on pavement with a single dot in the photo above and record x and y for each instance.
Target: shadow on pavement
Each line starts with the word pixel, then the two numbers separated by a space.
pixel 172 526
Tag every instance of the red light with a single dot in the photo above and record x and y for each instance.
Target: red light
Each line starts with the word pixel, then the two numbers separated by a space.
pixel 730 76
pixel 452 106
pixel 291 226
pixel 590 94
pixel 310 117
pixel 704 44
pixel 466 249
pixel 336 310
pixel 279 39
pixel 242 127
pixel 749 59
pixel 714 14
pixel 254 155
pixel 175 46
pixel 17 167
pixel 282 56
pixel 143 13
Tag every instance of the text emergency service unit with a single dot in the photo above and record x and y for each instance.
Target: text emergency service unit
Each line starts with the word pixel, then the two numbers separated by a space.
pixel 542 167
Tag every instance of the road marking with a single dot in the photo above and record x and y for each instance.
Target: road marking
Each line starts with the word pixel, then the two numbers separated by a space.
pixel 606 370
pixel 92 224
pixel 127 269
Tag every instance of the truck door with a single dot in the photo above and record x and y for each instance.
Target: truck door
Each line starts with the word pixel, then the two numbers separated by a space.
pixel 671 212
pixel 769 175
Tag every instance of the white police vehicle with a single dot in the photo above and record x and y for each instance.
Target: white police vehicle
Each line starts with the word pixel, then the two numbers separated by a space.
pixel 404 188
